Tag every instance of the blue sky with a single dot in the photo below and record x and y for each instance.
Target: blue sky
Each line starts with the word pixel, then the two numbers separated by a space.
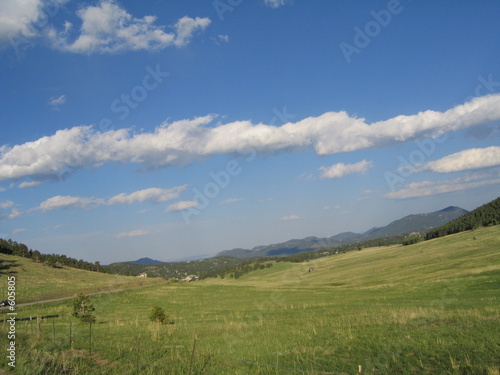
pixel 174 129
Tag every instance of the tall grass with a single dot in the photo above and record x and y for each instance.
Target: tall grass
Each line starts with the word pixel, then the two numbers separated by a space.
pixel 428 308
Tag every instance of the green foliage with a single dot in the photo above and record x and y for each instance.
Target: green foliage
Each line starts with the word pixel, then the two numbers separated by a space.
pixel 486 215
pixel 431 310
pixel 11 247
pixel 203 268
pixel 158 315
pixel 83 309
pixel 412 240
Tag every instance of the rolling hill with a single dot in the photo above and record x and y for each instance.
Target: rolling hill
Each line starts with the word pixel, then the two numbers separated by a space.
pixel 417 223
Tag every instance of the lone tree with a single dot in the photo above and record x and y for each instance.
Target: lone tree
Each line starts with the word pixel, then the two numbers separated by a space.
pixel 158 315
pixel 82 309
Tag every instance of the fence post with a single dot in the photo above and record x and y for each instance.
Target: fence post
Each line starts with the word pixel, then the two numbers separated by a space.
pixel 90 339
pixel 38 330
pixel 192 355
pixel 138 351
pixel 54 331
pixel 360 370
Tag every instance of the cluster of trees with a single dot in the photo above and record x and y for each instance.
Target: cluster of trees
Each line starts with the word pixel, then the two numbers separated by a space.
pixel 412 240
pixel 249 266
pixel 53 260
pixel 486 215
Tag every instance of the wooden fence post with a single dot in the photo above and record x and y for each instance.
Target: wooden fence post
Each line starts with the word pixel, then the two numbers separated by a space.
pixel 38 330
pixel 90 339
pixel 192 355
pixel 138 351
pixel 54 331
pixel 70 335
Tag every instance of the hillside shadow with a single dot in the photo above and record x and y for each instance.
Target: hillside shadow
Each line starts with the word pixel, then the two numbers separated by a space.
pixel 6 265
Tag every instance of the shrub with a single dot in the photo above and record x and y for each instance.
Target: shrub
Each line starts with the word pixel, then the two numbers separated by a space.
pixel 158 315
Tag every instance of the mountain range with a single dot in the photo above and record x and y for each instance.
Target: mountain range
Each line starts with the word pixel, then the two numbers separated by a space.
pixel 417 224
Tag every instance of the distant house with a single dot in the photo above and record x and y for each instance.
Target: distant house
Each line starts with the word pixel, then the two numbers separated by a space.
pixel 144 274
pixel 191 278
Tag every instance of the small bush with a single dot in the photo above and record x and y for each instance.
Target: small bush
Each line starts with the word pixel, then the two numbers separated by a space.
pixel 158 315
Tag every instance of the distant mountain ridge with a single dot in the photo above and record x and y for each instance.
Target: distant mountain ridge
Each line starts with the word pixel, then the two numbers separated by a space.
pixel 146 261
pixel 416 223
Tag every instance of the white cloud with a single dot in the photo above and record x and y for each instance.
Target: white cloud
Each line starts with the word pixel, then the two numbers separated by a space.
pixel 108 28
pixel 134 233
pixel 155 195
pixel 326 208
pixel 231 200
pixel 290 217
pixel 186 27
pixel 182 205
pixel 276 3
pixel 340 170
pixel 8 211
pixel 223 38
pixel 17 19
pixel 56 102
pixel 6 204
pixel 474 158
pixel 60 201
pixel 185 141
pixel 429 188
pixel 19 230
pixel 24 185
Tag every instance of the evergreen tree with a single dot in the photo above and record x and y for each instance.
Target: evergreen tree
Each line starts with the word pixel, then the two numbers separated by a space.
pixel 83 309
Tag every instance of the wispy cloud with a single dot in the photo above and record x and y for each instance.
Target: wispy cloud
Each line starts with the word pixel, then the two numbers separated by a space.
pixel 8 211
pixel 290 217
pixel 182 205
pixel 19 230
pixel 276 3
pixel 56 102
pixel 67 201
pixel 108 28
pixel 231 200
pixel 154 195
pixel 429 188
pixel 24 185
pixel 474 158
pixel 340 170
pixel 133 233
pixel 185 141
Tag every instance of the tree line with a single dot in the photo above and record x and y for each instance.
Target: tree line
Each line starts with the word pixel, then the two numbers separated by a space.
pixel 486 215
pixel 11 247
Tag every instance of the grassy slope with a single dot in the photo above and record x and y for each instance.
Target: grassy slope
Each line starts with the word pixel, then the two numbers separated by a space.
pixel 429 308
pixel 35 282
pixel 464 255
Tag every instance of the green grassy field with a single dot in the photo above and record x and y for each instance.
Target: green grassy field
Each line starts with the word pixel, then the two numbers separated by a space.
pixel 37 282
pixel 428 308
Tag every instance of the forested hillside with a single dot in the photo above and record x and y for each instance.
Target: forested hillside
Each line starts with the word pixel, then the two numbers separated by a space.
pixel 483 216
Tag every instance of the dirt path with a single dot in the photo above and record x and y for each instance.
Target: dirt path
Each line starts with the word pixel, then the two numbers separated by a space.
pixel 88 294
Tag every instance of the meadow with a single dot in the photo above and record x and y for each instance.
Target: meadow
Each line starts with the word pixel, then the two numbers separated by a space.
pixel 427 308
